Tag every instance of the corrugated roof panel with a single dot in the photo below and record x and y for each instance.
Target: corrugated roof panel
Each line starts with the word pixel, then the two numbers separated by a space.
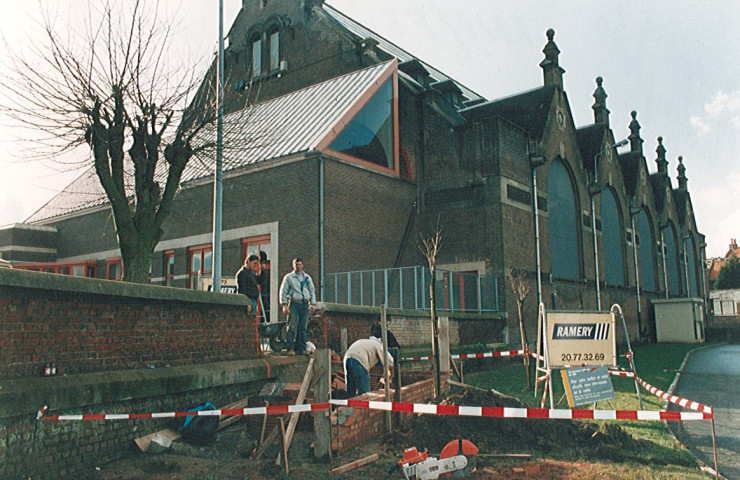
pixel 286 125
pixel 392 49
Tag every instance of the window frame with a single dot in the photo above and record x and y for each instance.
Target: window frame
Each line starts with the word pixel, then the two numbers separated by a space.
pixel 117 261
pixel 168 276
pixel 202 272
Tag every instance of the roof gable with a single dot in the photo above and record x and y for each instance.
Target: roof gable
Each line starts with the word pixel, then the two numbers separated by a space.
pixel 294 123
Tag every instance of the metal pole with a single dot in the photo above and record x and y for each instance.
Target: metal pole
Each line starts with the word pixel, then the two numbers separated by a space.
pixel 662 255
pixel 637 273
pixel 218 182
pixel 596 253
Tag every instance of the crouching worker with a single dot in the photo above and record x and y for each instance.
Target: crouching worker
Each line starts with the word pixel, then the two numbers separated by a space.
pixel 360 358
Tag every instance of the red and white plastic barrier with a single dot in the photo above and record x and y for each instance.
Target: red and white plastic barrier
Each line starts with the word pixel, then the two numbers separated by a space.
pixel 683 402
pixel 463 356
pixel 419 408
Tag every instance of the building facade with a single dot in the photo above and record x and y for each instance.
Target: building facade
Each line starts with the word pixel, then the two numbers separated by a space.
pixel 343 149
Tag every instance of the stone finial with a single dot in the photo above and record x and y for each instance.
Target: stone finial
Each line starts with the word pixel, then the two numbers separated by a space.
pixel 551 69
pixel 682 180
pixel 634 138
pixel 661 161
pixel 601 113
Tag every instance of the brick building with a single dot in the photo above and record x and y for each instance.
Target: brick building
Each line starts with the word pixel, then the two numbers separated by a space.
pixel 345 147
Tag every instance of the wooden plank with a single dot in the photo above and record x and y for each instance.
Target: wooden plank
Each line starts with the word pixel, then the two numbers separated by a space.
pixel 226 420
pixel 322 388
pixel 355 464
pixel 285 446
pixel 299 401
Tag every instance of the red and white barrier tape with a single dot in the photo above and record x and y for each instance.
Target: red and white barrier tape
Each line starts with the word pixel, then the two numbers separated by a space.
pixel 271 410
pixel 683 402
pixel 505 412
pixel 420 408
pixel 463 356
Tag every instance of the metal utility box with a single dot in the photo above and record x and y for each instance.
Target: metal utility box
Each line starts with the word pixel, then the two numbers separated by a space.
pixel 679 320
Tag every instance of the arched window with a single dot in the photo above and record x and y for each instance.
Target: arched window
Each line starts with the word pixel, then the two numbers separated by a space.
pixel 273 41
pixel 611 228
pixel 671 260
pixel 693 272
pixel 564 250
pixel 255 41
pixel 647 251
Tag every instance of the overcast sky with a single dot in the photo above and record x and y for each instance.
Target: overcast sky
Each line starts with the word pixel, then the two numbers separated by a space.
pixel 675 62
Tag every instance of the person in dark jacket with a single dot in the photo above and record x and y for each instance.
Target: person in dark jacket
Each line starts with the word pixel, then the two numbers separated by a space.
pixel 247 283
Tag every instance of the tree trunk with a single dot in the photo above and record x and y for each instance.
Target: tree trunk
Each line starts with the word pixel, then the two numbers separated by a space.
pixel 136 252
pixel 523 334
pixel 435 339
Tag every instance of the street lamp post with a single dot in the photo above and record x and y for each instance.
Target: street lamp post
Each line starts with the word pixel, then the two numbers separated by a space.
pixel 594 189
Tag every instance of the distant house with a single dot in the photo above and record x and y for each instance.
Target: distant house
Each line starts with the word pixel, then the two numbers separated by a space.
pixel 714 265
pixel 342 148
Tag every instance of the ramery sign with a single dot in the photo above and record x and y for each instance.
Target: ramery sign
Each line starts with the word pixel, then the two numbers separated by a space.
pixel 584 331
pixel 581 338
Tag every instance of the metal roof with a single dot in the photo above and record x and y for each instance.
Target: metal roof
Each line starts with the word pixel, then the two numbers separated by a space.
pixel 287 125
pixel 402 55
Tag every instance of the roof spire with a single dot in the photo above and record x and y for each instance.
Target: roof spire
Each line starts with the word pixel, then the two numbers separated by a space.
pixel 601 113
pixel 551 69
pixel 635 140
pixel 661 161
pixel 682 180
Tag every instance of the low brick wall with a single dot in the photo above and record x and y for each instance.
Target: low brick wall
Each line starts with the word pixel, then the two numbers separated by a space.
pixel 352 427
pixel 87 325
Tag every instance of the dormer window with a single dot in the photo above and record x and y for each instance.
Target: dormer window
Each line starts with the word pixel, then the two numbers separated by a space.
pixel 273 38
pixel 256 43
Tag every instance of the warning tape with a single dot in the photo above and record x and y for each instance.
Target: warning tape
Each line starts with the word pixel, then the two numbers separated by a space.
pixel 463 356
pixel 506 412
pixel 269 410
pixel 682 402
pixel 419 408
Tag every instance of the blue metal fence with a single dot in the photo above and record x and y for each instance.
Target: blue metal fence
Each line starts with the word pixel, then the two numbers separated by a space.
pixel 408 288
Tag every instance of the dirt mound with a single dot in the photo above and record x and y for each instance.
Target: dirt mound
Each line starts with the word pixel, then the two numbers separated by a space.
pixel 511 435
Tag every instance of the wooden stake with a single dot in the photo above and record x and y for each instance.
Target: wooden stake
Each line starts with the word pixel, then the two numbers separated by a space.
pixel 355 464
pixel 285 446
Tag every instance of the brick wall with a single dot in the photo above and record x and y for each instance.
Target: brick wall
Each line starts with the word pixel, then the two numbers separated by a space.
pixel 354 426
pixel 85 325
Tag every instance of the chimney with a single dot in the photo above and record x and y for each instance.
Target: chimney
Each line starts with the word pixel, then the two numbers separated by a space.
pixel 601 113
pixel 551 70
pixel 733 244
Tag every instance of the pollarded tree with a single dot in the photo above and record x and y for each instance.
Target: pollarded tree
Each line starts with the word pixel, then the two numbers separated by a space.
pixel 729 275
pixel 114 87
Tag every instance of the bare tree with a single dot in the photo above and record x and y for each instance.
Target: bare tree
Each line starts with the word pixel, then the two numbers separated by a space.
pixel 430 248
pixel 520 287
pixel 111 87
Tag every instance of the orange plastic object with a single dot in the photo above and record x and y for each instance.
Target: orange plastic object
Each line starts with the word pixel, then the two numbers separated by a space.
pixel 412 455
pixel 453 448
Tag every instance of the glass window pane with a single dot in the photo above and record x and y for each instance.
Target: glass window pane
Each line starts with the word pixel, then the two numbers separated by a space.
pixel 647 252
pixel 195 262
pixel 78 271
pixel 612 239
pixel 207 261
pixel 369 135
pixel 274 50
pixel 256 57
pixel 564 249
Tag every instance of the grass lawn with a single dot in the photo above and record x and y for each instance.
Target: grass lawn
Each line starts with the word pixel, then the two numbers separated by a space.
pixel 656 364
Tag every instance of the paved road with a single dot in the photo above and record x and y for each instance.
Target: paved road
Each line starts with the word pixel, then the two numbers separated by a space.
pixel 712 376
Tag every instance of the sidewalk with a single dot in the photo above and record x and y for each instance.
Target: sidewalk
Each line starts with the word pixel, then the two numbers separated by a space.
pixel 711 376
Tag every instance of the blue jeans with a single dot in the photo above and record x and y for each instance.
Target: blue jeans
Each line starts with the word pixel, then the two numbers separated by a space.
pixel 358 379
pixel 297 335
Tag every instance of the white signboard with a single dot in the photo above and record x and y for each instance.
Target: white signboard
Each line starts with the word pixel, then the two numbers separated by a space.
pixel 581 338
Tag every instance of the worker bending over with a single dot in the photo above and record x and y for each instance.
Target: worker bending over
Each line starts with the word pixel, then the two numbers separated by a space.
pixel 360 358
